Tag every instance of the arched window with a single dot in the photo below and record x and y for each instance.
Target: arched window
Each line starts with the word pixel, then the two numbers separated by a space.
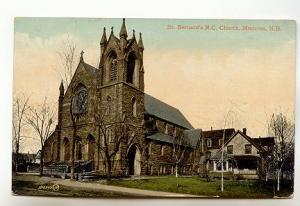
pixel 108 105
pixel 66 144
pixel 113 67
pixel 133 106
pixel 91 147
pixel 130 68
pixel 162 150
pixel 78 149
pixel 53 151
pixel 80 100
pixel 166 128
pixel 174 132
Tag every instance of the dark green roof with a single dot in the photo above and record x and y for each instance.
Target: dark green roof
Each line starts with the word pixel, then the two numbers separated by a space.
pixel 161 137
pixel 166 112
pixel 191 137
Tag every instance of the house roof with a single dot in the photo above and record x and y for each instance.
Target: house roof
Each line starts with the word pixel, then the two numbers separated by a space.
pixel 166 112
pixel 218 133
pixel 218 154
pixel 192 137
pixel 264 141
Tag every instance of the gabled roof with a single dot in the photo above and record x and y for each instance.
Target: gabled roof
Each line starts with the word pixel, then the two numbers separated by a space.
pixel 90 69
pixel 218 133
pixel 166 112
pixel 218 154
pixel 246 137
pixel 264 141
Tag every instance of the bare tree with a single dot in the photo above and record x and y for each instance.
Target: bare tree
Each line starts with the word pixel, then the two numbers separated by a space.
pixel 74 119
pixel 20 107
pixel 283 151
pixel 179 150
pixel 67 56
pixel 41 120
pixel 229 120
pixel 110 137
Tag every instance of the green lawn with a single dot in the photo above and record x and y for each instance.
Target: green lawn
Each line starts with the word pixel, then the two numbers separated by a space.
pixel 197 186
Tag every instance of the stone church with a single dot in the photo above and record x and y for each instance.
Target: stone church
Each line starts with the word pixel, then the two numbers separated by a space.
pixel 104 114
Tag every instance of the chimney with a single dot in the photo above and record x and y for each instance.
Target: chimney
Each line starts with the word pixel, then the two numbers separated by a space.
pixel 245 131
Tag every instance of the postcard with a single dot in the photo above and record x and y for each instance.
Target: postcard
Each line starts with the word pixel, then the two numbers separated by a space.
pixel 144 108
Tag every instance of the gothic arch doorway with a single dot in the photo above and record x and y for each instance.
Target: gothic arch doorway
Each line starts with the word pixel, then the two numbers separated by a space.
pixel 134 160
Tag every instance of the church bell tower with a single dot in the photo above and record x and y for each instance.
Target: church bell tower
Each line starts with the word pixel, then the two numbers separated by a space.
pixel 121 59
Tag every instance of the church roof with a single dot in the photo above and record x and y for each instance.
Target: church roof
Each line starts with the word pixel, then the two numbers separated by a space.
pixel 166 112
pixel 191 137
pixel 92 70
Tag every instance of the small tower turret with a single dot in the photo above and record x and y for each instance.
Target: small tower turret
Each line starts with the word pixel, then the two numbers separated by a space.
pixel 103 41
pixel 123 35
pixel 140 43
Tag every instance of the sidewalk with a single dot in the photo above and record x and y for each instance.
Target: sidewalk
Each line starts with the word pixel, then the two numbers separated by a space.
pixel 135 192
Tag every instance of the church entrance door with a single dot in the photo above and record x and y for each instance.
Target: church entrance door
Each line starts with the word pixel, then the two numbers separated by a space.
pixel 134 161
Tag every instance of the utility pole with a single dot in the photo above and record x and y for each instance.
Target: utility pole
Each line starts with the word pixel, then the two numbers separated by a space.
pixel 222 160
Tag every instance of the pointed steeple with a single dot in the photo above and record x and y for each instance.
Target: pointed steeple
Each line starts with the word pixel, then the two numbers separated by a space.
pixel 103 39
pixel 140 43
pixel 133 33
pixel 81 56
pixel 61 89
pixel 123 31
pixel 112 31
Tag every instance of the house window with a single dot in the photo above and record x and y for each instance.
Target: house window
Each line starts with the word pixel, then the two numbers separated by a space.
pixel 109 105
pixel 248 149
pixel 220 142
pixel 133 106
pixel 166 128
pixel 174 132
pixel 230 149
pixel 209 143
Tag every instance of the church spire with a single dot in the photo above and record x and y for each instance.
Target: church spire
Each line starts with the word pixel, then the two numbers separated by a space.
pixel 112 31
pixel 61 89
pixel 140 43
pixel 123 31
pixel 103 39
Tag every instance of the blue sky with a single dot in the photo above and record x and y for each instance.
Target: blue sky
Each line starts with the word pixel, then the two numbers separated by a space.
pixel 155 32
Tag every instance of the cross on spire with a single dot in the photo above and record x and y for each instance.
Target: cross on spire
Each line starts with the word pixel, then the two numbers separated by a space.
pixel 81 55
pixel 112 30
